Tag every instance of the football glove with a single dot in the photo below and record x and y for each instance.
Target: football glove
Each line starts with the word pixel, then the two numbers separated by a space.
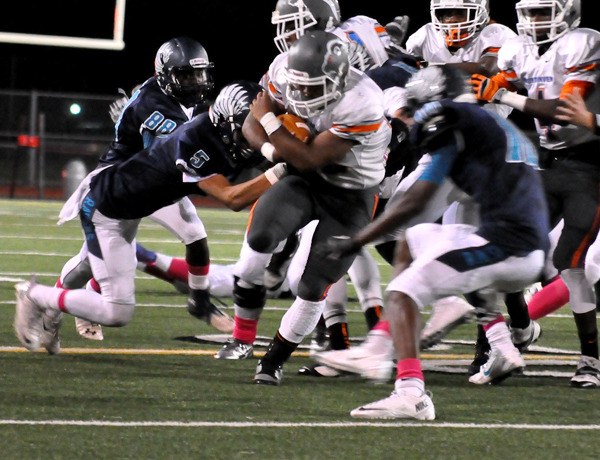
pixel 485 89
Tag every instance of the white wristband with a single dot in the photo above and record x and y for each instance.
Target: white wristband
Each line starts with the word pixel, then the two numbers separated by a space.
pixel 267 150
pixel 511 99
pixel 270 122
pixel 276 172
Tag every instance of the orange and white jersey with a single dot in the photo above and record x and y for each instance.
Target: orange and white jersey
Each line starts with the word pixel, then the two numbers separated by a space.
pixel 358 116
pixel 430 44
pixel 367 39
pixel 573 60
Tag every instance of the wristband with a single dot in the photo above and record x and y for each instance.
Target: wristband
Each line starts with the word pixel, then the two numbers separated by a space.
pixel 511 99
pixel 267 150
pixel 276 172
pixel 270 123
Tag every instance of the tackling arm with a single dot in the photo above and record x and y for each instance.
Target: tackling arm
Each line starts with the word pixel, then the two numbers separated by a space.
pixel 239 196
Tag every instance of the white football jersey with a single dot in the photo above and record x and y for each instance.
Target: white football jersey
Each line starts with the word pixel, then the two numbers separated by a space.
pixel 368 41
pixel 359 116
pixel 430 44
pixel 573 57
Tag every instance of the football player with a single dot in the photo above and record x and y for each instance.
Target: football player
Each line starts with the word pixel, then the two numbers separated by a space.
pixel 493 161
pixel 179 90
pixel 368 46
pixel 338 173
pixel 551 57
pixel 202 155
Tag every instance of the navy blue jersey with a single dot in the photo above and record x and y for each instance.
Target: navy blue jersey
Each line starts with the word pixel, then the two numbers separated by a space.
pixel 491 160
pixel 395 71
pixel 148 114
pixel 154 177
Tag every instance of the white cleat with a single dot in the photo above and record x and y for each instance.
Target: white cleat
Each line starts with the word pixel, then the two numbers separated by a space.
pixel 399 405
pixel 446 314
pixel 88 330
pixel 373 359
pixel 28 317
pixel 499 366
pixel 523 338
pixel 50 339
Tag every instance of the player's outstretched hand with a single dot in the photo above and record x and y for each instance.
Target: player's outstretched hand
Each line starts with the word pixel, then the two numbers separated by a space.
pixel 485 88
pixel 337 247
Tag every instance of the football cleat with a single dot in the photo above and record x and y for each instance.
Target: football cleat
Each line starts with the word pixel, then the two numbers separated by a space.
pixel 399 405
pixel 88 330
pixel 50 339
pixel 373 359
pixel 587 374
pixel 523 338
pixel 200 306
pixel 482 353
pixel 499 366
pixel 268 374
pixel 28 317
pixel 235 349
pixel 447 314
pixel 319 370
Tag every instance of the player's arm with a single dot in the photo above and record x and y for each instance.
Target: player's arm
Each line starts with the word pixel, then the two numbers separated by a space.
pixel 324 149
pixel 239 196
pixel 500 90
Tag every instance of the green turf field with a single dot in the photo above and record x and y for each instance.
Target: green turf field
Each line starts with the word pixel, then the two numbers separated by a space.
pixel 147 391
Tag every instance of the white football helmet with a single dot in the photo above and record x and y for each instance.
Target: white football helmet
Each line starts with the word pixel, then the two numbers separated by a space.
pixel 294 17
pixel 563 15
pixel 458 34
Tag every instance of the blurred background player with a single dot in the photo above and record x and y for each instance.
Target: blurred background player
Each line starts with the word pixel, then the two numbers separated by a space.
pixel 551 57
pixel 482 153
pixel 461 33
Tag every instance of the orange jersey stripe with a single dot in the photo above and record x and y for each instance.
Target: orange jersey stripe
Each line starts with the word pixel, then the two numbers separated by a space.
pixel 587 241
pixel 583 68
pixel 584 87
pixel 358 129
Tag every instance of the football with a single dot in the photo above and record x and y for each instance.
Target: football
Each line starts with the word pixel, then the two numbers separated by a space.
pixel 296 125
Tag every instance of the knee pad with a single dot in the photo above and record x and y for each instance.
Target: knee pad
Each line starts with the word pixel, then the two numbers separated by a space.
pixel 582 297
pixel 248 297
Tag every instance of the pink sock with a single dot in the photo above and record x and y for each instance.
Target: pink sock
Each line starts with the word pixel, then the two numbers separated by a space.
pixel 498 319
pixel 245 330
pixel 178 269
pixel 552 297
pixel 382 325
pixel 409 368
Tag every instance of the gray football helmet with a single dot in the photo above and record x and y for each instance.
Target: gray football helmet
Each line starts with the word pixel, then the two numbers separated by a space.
pixel 316 72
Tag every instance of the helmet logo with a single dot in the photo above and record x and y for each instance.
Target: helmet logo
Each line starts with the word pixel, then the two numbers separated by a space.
pixel 163 55
pixel 335 49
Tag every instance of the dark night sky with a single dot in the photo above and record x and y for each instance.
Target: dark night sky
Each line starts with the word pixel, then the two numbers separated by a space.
pixel 236 33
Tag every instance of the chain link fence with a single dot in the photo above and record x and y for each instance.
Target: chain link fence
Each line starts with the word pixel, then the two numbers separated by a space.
pixel 42 132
